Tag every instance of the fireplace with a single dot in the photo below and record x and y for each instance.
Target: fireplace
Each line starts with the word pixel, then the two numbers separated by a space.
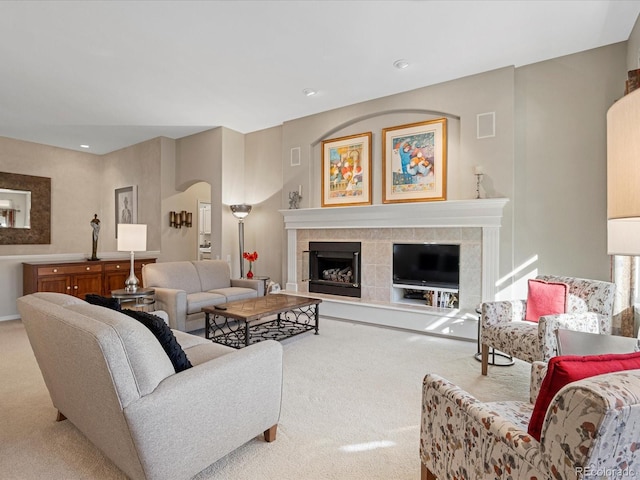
pixel 334 268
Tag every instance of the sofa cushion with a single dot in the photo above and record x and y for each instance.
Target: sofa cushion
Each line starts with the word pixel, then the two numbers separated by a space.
pixel 563 370
pixel 213 274
pixel 236 293
pixel 545 298
pixel 196 301
pixel 202 353
pixel 165 336
pixel 176 275
pixel 101 301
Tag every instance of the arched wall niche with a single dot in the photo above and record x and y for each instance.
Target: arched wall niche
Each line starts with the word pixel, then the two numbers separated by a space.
pixel 375 122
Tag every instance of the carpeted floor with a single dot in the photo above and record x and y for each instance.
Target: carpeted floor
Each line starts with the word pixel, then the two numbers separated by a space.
pixel 351 409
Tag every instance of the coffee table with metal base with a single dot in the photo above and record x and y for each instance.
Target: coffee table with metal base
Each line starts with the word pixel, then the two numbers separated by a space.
pixel 239 324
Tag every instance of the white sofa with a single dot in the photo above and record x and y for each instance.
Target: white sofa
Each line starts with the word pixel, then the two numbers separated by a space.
pixel 184 288
pixel 109 376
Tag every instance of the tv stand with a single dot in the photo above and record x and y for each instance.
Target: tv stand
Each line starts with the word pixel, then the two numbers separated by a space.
pixel 426 295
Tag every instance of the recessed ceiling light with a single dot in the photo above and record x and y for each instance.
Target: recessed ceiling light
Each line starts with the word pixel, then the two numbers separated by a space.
pixel 309 92
pixel 84 146
pixel 401 64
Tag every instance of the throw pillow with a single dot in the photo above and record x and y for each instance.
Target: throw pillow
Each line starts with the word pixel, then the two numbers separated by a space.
pixel 545 298
pixel 165 336
pixel 106 302
pixel 563 370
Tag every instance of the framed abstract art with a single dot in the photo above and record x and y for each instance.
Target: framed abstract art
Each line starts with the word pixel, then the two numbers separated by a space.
pixel 414 162
pixel 346 170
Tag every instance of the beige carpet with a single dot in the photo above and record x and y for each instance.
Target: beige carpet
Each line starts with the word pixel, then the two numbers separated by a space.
pixel 351 409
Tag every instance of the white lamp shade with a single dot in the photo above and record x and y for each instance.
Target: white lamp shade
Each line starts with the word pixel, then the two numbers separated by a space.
pixel 132 237
pixel 623 236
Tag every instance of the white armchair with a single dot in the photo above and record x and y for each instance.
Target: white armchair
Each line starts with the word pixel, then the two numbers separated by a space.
pixel 589 309
pixel 590 431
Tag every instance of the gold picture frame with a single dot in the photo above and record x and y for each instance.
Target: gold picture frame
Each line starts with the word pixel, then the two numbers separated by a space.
pixel 346 170
pixel 414 166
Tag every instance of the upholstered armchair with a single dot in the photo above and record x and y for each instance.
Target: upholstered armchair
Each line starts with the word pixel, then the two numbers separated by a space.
pixel 589 308
pixel 589 431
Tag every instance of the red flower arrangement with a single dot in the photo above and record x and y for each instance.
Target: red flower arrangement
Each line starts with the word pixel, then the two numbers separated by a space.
pixel 250 257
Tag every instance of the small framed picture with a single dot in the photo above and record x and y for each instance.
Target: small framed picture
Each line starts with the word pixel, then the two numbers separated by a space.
pixel 126 205
pixel 414 165
pixel 346 170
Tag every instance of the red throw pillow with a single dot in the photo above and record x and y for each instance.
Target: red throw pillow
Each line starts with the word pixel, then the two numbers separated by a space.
pixel 545 298
pixel 565 369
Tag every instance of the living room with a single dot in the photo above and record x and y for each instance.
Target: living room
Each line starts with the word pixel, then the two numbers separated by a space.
pixel 546 157
pixel 563 101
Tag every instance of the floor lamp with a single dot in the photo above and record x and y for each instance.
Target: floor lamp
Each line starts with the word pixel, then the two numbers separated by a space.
pixel 132 238
pixel 240 212
pixel 623 199
pixel 623 176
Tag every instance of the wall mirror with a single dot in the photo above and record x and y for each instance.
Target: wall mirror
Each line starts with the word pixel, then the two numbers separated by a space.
pixel 25 209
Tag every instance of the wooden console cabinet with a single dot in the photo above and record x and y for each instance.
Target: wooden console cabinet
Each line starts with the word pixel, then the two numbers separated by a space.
pixel 78 278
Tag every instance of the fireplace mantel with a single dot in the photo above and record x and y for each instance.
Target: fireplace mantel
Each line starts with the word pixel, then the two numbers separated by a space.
pixel 485 214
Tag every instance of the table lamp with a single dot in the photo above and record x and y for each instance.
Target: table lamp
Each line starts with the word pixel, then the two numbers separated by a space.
pixel 240 212
pixel 132 238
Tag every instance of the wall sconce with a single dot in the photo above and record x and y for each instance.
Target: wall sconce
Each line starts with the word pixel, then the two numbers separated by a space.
pixel 180 219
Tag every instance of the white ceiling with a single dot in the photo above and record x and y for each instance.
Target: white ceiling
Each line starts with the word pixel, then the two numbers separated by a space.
pixel 113 73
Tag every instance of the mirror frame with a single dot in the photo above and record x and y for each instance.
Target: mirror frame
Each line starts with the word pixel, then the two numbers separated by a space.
pixel 40 231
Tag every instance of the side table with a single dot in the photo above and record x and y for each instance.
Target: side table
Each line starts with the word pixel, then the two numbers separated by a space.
pixel 496 358
pixel 142 298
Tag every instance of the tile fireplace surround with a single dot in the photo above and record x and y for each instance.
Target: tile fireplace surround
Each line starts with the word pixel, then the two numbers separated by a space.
pixel 474 224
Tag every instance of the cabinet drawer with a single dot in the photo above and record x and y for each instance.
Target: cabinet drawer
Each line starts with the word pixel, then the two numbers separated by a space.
pixel 68 269
pixel 117 267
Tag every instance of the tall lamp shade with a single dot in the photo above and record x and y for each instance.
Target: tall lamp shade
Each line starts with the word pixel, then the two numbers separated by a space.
pixel 623 176
pixel 132 238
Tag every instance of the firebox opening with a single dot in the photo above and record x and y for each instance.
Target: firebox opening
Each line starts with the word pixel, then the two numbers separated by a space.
pixel 334 268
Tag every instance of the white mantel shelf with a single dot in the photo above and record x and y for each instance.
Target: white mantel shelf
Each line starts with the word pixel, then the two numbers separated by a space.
pixel 484 212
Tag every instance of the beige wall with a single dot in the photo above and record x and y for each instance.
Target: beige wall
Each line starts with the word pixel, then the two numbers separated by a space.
pixel 560 183
pixel 633 47
pixel 82 184
pixel 459 100
pixel 77 181
pixel 264 227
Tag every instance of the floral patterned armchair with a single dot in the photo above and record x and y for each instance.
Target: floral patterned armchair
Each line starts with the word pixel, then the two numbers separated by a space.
pixel 589 309
pixel 590 431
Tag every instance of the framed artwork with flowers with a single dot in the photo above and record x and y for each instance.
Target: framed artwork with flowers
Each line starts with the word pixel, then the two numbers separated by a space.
pixel 346 170
pixel 414 162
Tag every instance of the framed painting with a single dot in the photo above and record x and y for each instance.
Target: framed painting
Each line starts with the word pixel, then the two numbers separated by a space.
pixel 126 205
pixel 346 170
pixel 414 166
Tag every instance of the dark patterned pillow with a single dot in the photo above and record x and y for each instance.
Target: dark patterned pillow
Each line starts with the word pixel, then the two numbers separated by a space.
pixel 165 336
pixel 106 302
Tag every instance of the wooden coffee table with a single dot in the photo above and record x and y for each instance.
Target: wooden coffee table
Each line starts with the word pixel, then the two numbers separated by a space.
pixel 241 323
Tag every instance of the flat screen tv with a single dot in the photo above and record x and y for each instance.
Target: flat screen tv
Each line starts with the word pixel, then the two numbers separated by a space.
pixel 426 264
